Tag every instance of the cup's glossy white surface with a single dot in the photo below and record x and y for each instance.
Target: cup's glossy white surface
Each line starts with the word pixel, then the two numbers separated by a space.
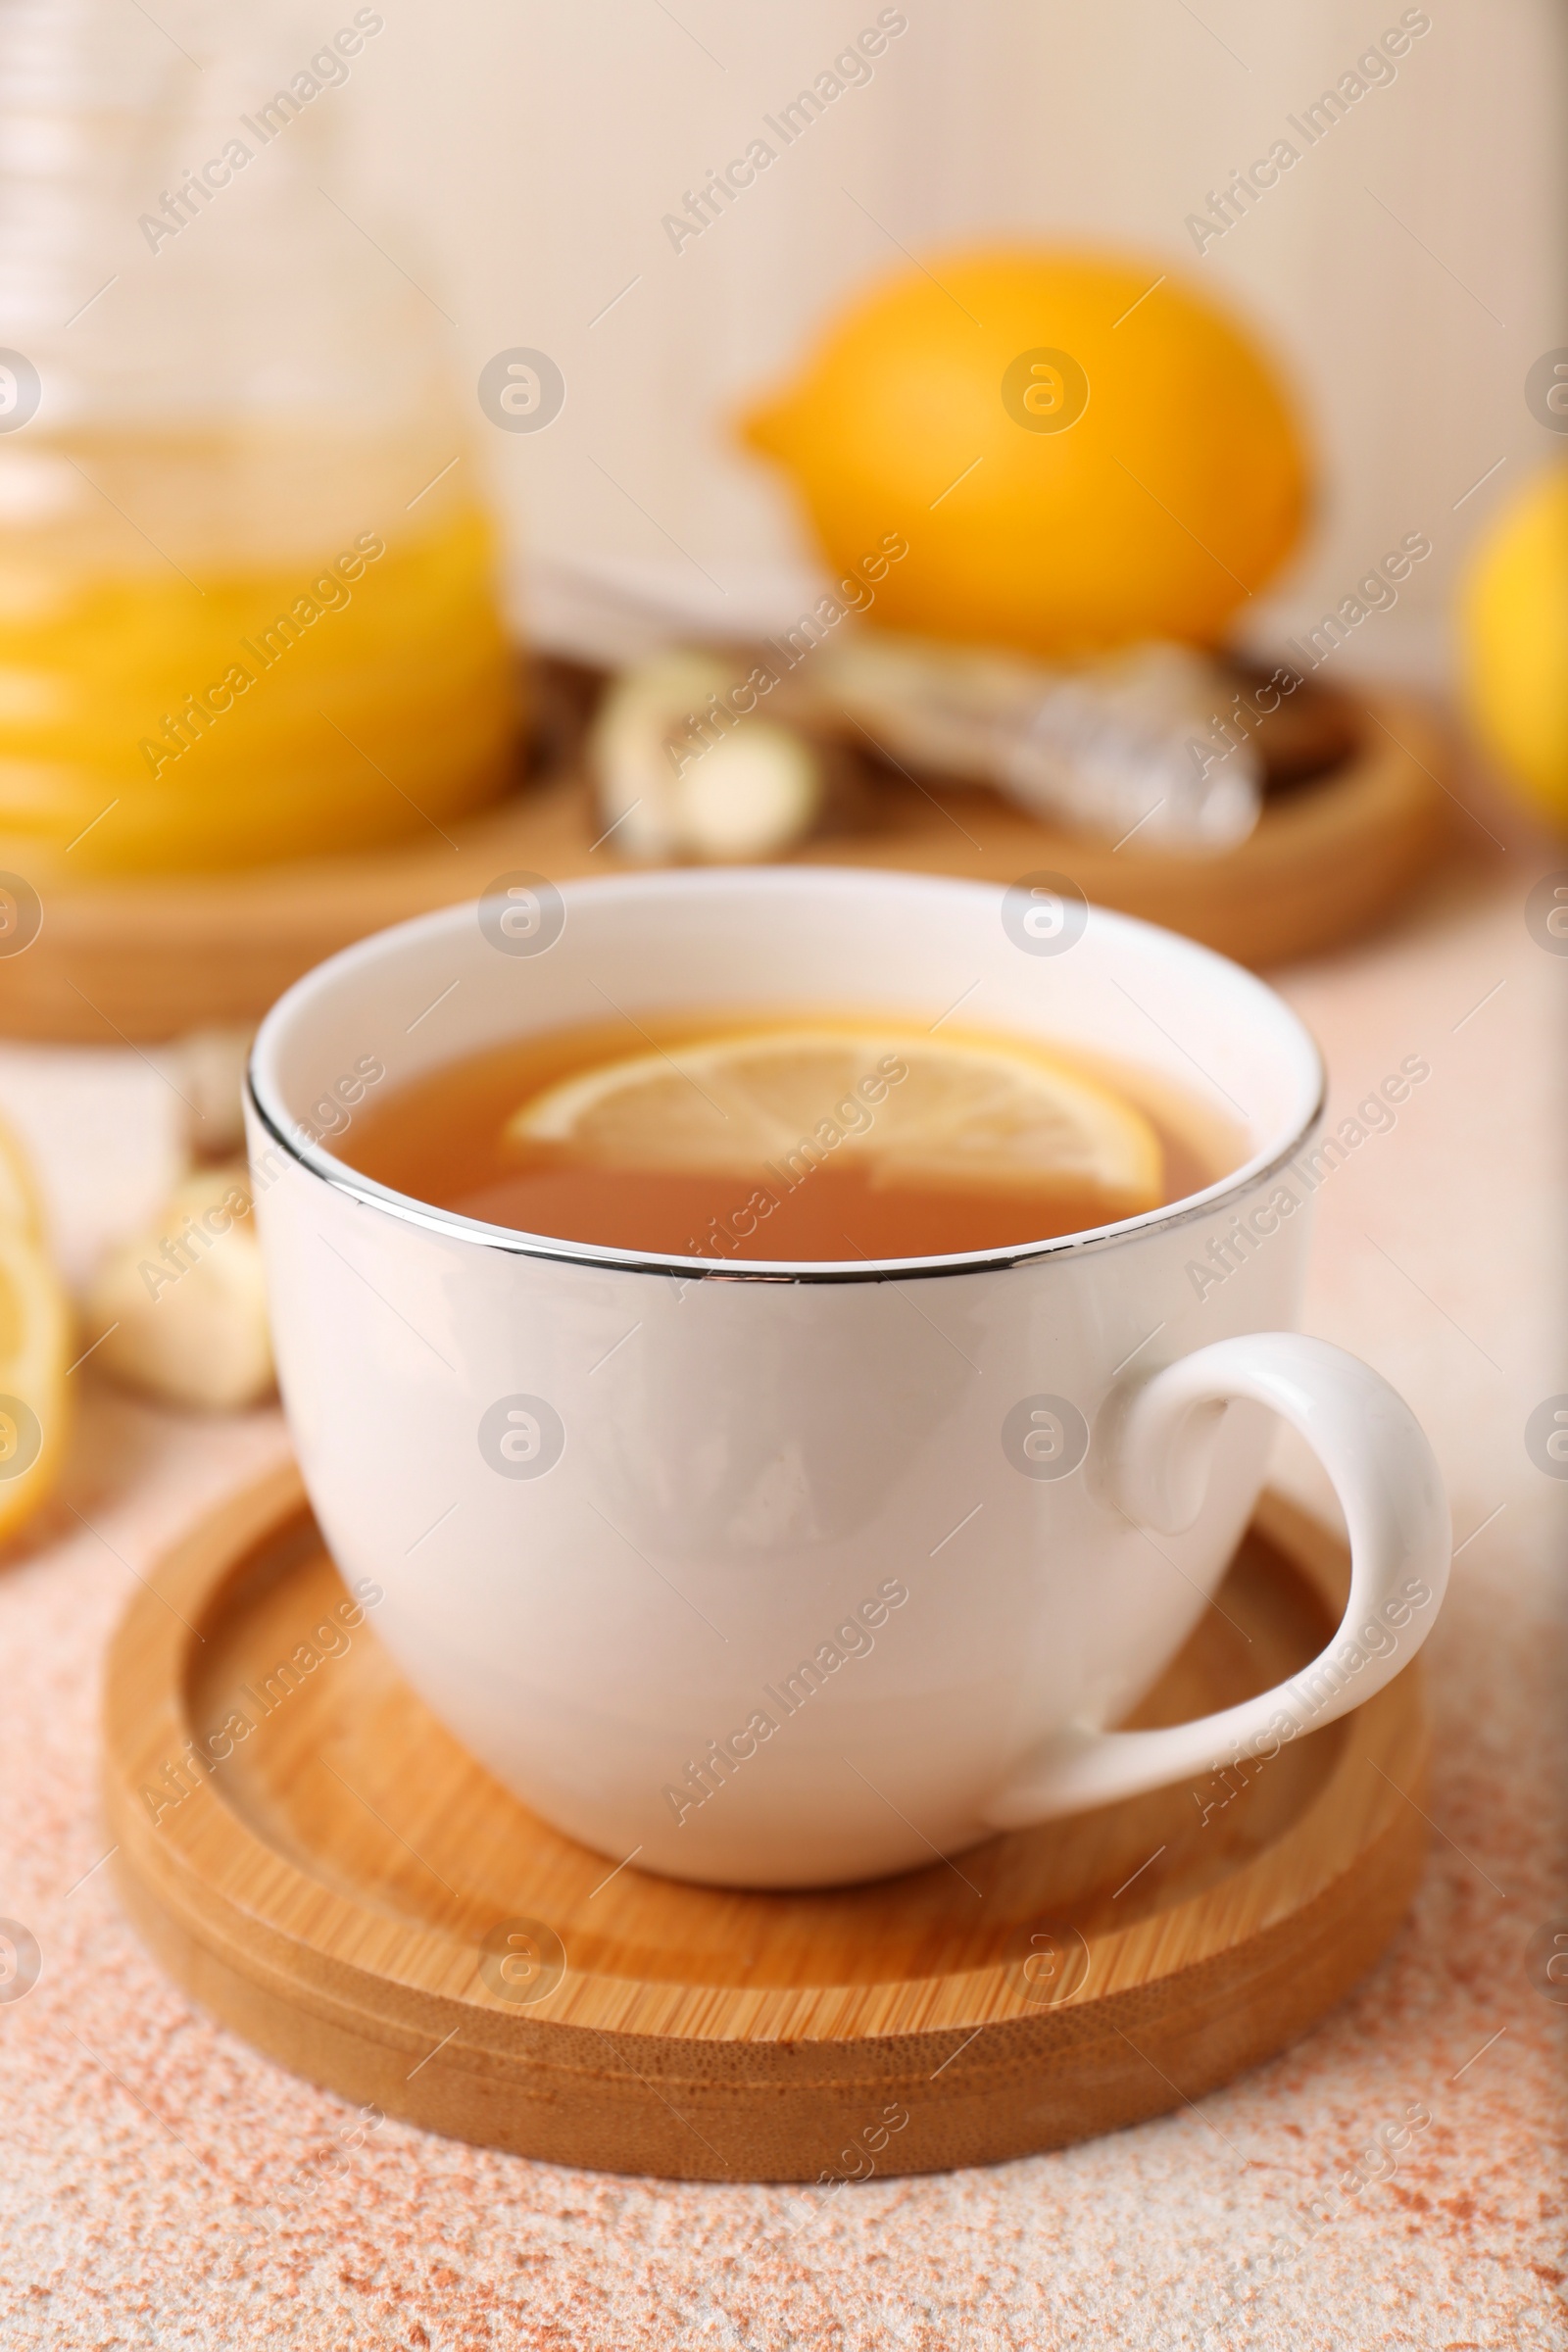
pixel 792 1575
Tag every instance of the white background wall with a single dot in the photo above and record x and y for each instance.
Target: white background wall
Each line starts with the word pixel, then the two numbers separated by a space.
pixel 1410 269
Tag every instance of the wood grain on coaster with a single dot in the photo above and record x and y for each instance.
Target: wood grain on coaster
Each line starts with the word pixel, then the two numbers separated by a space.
pixel 351 1892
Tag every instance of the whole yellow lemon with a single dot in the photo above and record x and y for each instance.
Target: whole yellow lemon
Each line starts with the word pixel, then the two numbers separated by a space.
pixel 1513 622
pixel 1077 451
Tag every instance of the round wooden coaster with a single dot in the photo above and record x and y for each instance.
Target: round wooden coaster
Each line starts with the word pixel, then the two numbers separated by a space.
pixel 351 1892
pixel 152 958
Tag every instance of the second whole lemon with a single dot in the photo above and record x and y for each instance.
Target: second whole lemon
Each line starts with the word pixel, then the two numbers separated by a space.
pixel 1513 621
pixel 1076 449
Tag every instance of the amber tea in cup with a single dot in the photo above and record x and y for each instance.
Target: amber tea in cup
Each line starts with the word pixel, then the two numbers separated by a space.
pixel 798 1138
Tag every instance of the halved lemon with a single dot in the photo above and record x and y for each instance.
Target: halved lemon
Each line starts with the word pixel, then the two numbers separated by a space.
pixel 907 1108
pixel 35 1335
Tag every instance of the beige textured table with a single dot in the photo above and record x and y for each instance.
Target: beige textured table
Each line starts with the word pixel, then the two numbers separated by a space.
pixel 162 2185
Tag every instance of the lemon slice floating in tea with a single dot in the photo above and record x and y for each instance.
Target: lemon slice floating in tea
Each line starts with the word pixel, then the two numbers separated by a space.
pixel 902 1108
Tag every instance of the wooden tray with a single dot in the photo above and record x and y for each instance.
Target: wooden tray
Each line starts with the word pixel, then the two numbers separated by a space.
pixel 154 959
pixel 353 1894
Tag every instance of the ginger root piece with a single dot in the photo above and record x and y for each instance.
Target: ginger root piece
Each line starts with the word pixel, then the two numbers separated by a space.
pixel 185 1304
pixel 681 773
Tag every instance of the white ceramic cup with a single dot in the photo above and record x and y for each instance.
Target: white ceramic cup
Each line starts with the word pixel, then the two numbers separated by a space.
pixel 780 1573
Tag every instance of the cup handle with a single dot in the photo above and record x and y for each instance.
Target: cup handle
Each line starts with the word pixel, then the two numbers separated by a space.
pixel 1386 1476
